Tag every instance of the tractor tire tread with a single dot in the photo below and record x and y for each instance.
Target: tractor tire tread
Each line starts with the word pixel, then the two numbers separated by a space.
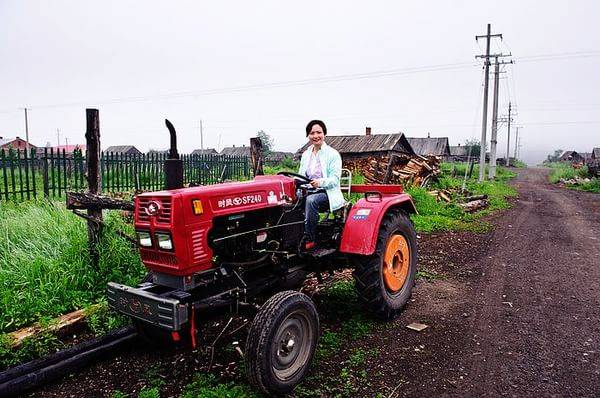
pixel 368 283
pixel 258 336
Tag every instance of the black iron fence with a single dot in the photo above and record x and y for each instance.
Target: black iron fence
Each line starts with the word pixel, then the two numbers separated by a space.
pixel 51 173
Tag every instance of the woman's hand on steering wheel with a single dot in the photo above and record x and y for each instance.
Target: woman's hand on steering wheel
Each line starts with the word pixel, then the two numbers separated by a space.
pixel 300 179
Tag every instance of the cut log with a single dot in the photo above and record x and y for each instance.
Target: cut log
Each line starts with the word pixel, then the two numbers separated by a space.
pixel 17 337
pixel 474 205
pixel 90 201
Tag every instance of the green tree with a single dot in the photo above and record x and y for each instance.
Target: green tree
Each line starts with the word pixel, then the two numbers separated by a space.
pixel 266 140
pixel 554 157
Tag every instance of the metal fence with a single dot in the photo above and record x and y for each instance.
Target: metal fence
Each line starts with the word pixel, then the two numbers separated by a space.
pixel 52 173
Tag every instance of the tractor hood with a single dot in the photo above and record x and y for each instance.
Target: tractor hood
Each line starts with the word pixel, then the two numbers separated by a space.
pixel 187 215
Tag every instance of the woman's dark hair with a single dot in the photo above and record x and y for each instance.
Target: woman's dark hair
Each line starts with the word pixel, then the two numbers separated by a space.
pixel 310 125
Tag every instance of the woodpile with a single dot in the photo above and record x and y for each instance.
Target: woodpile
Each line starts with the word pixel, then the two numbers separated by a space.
pixel 406 170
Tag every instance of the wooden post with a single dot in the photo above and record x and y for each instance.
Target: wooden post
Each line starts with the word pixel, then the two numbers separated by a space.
pixel 92 138
pixel 256 151
pixel 390 168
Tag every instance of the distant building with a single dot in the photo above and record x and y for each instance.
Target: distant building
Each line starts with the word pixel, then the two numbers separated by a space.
pixel 356 147
pixel 274 157
pixel 431 146
pixel 236 151
pixel 158 151
pixel 571 156
pixel 207 151
pixel 123 149
pixel 15 143
pixel 459 153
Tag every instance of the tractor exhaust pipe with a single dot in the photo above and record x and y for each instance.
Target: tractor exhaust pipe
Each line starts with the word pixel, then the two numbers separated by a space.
pixel 173 165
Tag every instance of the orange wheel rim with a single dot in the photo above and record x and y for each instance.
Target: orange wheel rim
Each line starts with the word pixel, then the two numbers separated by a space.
pixel 396 262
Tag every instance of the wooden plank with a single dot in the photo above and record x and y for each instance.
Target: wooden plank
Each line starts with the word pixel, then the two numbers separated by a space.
pixel 17 337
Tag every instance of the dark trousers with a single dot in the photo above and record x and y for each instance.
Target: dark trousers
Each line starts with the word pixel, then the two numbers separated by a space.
pixel 314 203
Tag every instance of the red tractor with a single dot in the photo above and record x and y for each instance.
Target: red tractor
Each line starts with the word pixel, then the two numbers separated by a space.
pixel 228 246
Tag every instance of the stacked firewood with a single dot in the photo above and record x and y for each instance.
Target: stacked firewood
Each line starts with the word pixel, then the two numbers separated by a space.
pixel 406 170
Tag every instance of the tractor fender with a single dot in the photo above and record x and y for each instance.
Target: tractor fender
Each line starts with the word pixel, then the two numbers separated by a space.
pixel 362 223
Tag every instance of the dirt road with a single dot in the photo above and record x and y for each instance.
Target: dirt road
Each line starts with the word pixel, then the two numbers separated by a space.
pixel 514 312
pixel 529 323
pixel 535 328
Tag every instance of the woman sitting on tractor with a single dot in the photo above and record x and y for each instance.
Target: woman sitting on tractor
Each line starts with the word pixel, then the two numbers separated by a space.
pixel 323 166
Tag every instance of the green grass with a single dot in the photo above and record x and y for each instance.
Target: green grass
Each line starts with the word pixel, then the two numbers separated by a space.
pixel 561 170
pixel 208 386
pixel 44 263
pixel 437 216
pixel 566 171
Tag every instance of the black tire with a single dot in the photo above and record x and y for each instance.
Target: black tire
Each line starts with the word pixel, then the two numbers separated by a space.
pixel 275 362
pixel 372 286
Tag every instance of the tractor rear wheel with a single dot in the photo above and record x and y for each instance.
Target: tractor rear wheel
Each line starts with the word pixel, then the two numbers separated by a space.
pixel 384 280
pixel 281 342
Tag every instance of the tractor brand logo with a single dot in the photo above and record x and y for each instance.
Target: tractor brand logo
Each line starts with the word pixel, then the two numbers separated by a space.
pixel 239 200
pixel 135 306
pixel 153 208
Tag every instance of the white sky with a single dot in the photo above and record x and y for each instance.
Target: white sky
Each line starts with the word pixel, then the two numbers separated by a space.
pixel 139 62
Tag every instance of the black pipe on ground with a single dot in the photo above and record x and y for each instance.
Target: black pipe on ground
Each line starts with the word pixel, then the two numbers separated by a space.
pixel 15 381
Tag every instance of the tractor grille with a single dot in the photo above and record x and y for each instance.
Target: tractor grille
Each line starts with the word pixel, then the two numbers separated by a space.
pixel 199 252
pixel 164 217
pixel 158 257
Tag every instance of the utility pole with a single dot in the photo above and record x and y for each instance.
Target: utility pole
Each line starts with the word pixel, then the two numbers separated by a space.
pixel 494 139
pixel 58 137
pixel 516 142
pixel 201 136
pixel 508 137
pixel 27 134
pixel 486 58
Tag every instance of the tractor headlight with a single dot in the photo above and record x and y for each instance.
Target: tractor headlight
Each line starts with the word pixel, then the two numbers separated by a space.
pixel 164 241
pixel 144 238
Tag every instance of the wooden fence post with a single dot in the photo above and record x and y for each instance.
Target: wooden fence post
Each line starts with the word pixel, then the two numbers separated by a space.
pixel 256 151
pixel 390 169
pixel 92 138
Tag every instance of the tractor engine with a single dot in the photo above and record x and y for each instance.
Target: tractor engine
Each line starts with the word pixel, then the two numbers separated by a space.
pixel 185 232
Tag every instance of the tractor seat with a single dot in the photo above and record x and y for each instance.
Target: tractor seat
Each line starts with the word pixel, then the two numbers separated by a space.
pixel 341 213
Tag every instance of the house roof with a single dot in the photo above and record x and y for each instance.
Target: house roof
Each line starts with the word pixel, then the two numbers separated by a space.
pixel 586 155
pixel 66 148
pixel 236 151
pixel 207 151
pixel 459 150
pixel 276 156
pixel 347 144
pixel 4 141
pixel 437 146
pixel 596 153
pixel 121 149
pixel 568 155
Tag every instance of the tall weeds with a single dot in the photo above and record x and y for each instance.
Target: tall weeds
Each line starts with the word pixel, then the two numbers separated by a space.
pixel 44 264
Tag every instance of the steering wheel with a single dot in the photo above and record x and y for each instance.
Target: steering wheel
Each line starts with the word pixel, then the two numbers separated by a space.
pixel 295 176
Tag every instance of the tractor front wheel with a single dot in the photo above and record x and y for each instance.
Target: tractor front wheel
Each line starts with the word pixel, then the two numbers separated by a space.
pixel 384 280
pixel 281 342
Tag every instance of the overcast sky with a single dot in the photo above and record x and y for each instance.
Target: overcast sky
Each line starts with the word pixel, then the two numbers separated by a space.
pixel 255 65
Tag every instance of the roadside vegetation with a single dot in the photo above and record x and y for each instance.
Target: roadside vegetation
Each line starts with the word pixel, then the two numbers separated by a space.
pixel 565 173
pixel 45 271
pixel 437 216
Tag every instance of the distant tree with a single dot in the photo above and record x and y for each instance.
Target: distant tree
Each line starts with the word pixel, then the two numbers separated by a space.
pixel 266 141
pixel 554 157
pixel 473 146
